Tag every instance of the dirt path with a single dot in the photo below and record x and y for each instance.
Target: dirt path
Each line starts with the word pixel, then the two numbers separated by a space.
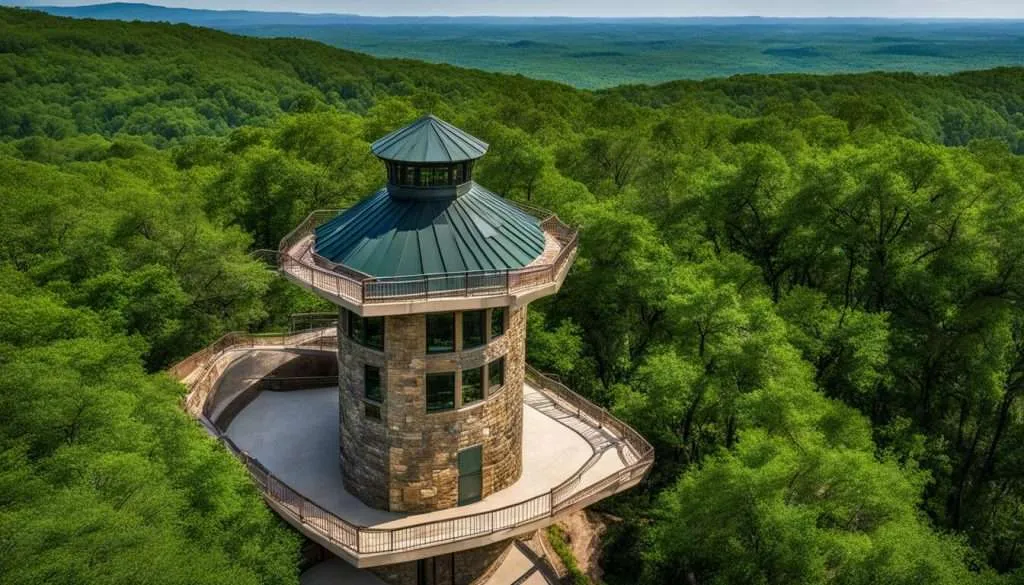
pixel 583 531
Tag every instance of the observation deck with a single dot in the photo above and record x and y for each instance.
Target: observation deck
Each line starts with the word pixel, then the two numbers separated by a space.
pixel 372 296
pixel 283 428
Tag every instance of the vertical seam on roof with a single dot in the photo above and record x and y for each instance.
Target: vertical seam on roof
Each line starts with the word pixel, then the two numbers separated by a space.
pixel 497 245
pixel 338 236
pixel 385 252
pixel 455 140
pixel 348 244
pixel 509 212
pixel 461 135
pixel 425 210
pixel 440 254
pixel 370 244
pixel 433 128
pixel 481 259
pixel 473 233
pixel 516 228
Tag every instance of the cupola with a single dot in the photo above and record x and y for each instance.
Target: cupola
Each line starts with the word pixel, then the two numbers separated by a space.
pixel 431 218
pixel 429 158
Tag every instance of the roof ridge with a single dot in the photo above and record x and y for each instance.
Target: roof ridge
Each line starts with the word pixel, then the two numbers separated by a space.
pixel 437 132
pixel 414 143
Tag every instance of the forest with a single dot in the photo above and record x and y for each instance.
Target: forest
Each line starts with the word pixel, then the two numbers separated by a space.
pixel 805 291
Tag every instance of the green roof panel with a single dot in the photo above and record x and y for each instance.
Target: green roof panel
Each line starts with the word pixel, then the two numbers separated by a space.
pixel 388 236
pixel 429 140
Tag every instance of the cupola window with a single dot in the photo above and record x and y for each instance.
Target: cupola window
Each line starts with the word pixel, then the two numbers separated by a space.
pixel 447 175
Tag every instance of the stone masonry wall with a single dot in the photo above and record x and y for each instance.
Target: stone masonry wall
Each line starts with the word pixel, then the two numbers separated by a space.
pixel 407 461
pixel 423 447
pixel 363 441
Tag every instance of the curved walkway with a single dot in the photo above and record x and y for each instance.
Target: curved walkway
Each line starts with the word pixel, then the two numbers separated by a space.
pixel 595 453
pixel 295 436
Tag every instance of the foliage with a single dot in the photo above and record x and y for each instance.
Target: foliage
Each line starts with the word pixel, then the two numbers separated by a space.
pixel 104 476
pixel 557 536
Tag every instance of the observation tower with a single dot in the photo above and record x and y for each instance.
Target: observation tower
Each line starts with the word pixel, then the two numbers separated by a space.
pixel 440 445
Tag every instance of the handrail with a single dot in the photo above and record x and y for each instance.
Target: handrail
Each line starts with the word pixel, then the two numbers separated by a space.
pixel 322 274
pixel 360 539
pixel 562 494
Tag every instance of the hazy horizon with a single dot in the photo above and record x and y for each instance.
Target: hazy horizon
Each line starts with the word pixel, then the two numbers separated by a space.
pixel 891 9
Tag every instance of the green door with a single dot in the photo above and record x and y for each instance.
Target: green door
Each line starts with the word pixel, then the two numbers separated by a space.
pixel 471 476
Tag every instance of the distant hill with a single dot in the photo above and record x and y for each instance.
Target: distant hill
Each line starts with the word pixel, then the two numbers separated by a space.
pixel 201 17
pixel 156 13
pixel 600 53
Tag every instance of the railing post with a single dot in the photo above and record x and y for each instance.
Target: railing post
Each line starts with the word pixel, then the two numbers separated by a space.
pixel 426 286
pixel 466 278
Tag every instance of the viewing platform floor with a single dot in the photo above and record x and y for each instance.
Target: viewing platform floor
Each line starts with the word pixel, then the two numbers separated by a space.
pixel 295 436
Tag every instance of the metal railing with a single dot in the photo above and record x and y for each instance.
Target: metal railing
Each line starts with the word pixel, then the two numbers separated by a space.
pixel 359 539
pixel 200 371
pixel 566 494
pixel 296 257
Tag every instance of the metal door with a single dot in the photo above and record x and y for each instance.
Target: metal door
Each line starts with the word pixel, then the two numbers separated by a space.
pixel 471 475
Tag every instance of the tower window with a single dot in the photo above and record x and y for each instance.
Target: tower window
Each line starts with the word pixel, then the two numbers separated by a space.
pixel 440 332
pixel 371 383
pixel 368 331
pixel 408 175
pixel 497 321
pixel 472 385
pixel 496 374
pixel 473 328
pixel 371 410
pixel 440 391
pixel 374 332
pixel 434 177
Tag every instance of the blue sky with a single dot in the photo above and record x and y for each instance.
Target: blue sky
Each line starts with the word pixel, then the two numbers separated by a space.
pixel 619 8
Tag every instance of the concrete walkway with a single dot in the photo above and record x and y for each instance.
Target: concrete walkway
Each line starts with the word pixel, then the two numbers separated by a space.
pixel 295 436
pixel 522 566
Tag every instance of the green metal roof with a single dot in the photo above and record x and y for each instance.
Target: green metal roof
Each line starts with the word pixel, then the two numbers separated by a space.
pixel 429 140
pixel 388 236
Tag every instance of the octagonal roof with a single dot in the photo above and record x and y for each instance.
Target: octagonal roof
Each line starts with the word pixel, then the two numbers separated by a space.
pixel 429 140
pixel 388 236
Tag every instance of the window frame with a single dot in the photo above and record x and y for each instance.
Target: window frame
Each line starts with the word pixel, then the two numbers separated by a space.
pixel 482 325
pixel 366 332
pixel 502 321
pixel 372 411
pixel 427 391
pixel 491 386
pixel 481 393
pixel 379 398
pixel 444 349
pixel 357 330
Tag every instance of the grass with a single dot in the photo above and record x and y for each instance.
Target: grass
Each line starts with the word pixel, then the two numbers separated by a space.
pixel 556 536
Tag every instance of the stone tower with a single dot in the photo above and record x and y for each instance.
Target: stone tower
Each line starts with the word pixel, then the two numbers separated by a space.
pixel 425 422
pixel 449 446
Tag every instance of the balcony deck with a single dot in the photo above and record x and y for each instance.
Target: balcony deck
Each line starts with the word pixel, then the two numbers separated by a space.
pixel 295 436
pixel 574 454
pixel 373 296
